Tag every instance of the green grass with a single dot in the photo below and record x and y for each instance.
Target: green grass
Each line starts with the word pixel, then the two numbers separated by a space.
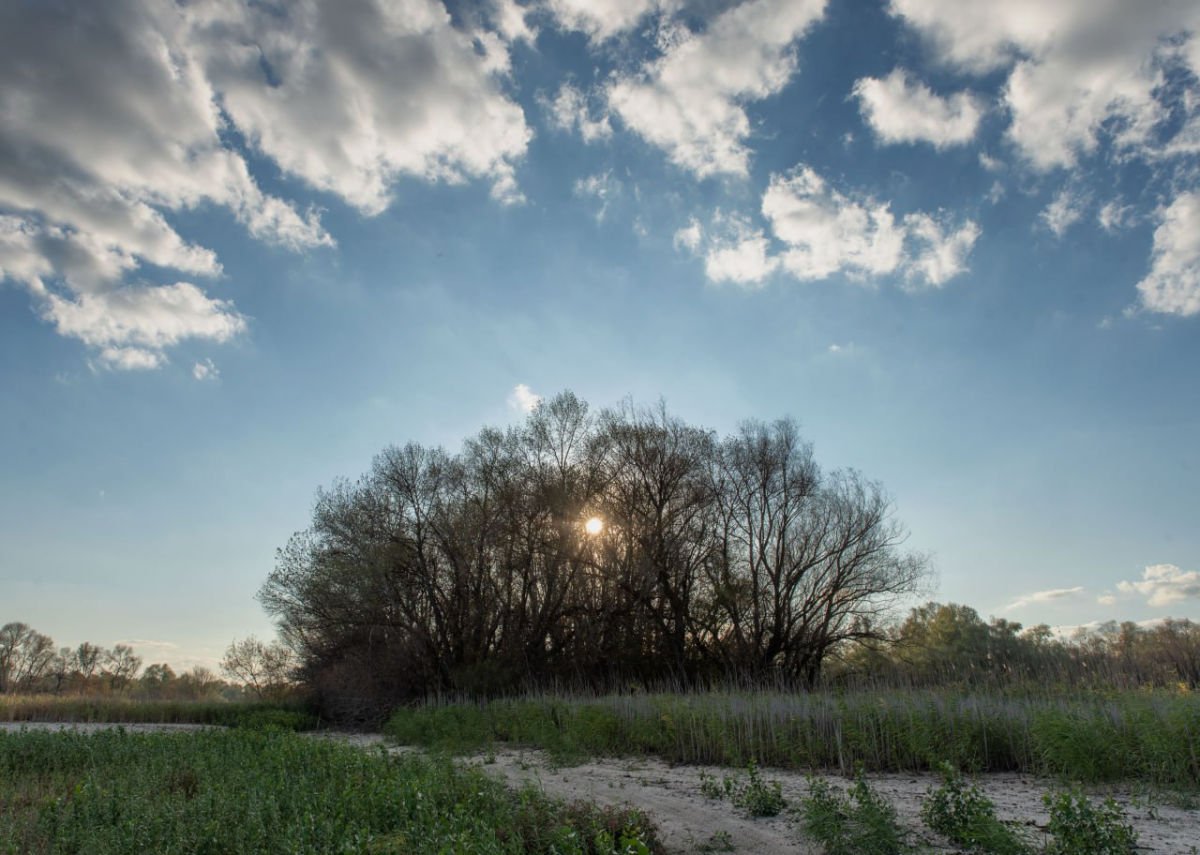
pixel 1150 737
pixel 269 791
pixel 56 708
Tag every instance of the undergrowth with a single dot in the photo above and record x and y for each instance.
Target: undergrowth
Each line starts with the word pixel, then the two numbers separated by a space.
pixel 963 814
pixel 859 823
pixel 754 794
pixel 269 791
pixel 111 709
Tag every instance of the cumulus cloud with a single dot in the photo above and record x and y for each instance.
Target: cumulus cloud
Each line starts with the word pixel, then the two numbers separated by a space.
pixel 1075 68
pixel 822 230
pixel 902 110
pixel 1173 284
pixel 1064 210
pixel 1044 597
pixel 92 166
pixel 1163 584
pixel 690 101
pixel 603 19
pixel 523 399
pixel 570 111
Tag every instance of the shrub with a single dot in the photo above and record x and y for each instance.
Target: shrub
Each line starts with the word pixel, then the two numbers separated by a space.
pixel 967 817
pixel 859 823
pixel 1077 825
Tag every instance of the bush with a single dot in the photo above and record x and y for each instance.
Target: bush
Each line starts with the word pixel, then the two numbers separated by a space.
pixel 967 817
pixel 756 796
pixel 1077 826
pixel 860 823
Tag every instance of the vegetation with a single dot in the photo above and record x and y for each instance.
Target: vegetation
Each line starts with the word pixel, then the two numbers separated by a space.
pixel 755 795
pixel 270 791
pixel 858 823
pixel 1077 825
pixel 964 815
pixel 476 572
pixel 293 715
pixel 1149 736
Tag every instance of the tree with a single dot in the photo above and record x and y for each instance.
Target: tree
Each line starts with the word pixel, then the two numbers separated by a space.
pixel 474 571
pixel 157 680
pixel 25 657
pixel 121 666
pixel 265 669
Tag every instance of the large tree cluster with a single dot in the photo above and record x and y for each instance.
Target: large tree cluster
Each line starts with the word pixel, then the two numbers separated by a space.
pixel 476 572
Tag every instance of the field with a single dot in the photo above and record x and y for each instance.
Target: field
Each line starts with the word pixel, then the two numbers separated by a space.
pixel 116 709
pixel 268 791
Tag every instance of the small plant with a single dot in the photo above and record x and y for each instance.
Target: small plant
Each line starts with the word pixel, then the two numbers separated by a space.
pixel 1077 825
pixel 962 813
pixel 757 796
pixel 859 823
pixel 719 841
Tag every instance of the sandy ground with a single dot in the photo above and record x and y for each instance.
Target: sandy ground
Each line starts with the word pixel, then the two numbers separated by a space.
pixel 689 822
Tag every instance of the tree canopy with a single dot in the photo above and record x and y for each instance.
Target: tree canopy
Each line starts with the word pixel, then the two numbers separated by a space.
pixel 476 571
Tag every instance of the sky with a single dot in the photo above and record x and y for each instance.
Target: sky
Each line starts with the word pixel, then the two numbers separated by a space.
pixel 246 246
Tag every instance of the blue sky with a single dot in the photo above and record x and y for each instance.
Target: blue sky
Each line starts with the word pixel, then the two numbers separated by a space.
pixel 960 243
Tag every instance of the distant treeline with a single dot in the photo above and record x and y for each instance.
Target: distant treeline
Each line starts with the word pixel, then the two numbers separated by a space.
pixel 479 572
pixel 939 645
pixel 31 663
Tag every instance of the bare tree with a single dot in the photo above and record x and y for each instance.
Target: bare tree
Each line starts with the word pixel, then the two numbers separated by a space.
pixel 121 666
pixel 265 669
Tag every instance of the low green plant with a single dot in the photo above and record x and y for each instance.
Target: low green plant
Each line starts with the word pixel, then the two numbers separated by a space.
pixel 1077 825
pixel 963 814
pixel 755 795
pixel 859 823
pixel 266 791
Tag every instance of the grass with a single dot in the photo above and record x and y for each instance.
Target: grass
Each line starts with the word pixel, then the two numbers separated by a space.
pixel 108 708
pixel 1153 737
pixel 755 795
pixel 270 791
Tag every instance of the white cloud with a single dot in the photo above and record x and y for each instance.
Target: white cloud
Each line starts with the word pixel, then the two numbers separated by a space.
pixel 603 19
pixel 824 231
pixel 1163 584
pixel 523 399
pixel 902 110
pixel 689 236
pixel 509 18
pixel 570 111
pixel 1173 284
pixel 1044 597
pixel 205 370
pixel 93 165
pixel 690 101
pixel 602 187
pixel 1064 210
pixel 361 94
pixel 741 254
pixel 1075 68
pixel 1106 599
pixel 1114 217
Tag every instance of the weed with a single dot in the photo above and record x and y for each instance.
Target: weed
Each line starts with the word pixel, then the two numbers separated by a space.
pixel 1077 825
pixel 756 796
pixel 859 823
pixel 962 813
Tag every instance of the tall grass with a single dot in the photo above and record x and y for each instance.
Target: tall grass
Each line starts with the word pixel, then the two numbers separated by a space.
pixel 1153 737
pixel 292 715
pixel 246 791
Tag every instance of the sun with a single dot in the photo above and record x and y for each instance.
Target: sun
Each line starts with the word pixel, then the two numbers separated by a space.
pixel 594 525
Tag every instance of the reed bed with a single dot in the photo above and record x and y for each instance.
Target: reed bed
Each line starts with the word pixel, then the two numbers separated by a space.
pixel 1145 736
pixel 114 709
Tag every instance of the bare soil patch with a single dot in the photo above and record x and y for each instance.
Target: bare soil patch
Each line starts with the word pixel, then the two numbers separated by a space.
pixel 690 822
